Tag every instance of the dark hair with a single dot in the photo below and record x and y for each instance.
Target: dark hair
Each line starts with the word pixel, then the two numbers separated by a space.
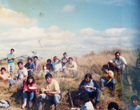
pixel 70 58
pixel 31 78
pixel 49 60
pixel 134 97
pixel 54 57
pixel 84 97
pixel 20 62
pixel 12 49
pixel 29 59
pixel 113 105
pixel 88 75
pixel 48 75
pixel 117 53
pixel 105 66
pixel 64 53
pixel 3 68
pixel 35 57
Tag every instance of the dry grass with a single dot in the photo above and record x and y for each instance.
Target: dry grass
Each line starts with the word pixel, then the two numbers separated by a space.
pixel 90 63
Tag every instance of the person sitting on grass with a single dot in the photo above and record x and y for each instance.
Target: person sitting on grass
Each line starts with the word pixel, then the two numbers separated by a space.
pixel 113 106
pixel 118 63
pixel 30 89
pixel 21 75
pixel 91 87
pixel 46 68
pixel 70 66
pixel 107 78
pixel 36 63
pixel 135 101
pixel 64 59
pixel 30 67
pixel 51 90
pixel 57 66
pixel 4 76
pixel 85 102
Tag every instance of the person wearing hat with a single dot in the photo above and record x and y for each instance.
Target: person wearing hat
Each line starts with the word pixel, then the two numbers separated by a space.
pixel 107 78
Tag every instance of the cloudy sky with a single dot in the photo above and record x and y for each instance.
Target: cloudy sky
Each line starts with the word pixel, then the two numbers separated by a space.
pixel 51 27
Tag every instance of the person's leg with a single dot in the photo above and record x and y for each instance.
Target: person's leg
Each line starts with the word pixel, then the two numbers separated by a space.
pixel 12 65
pixel 8 67
pixel 25 95
pixel 40 73
pixel 56 99
pixel 113 82
pixel 39 100
pixel 31 96
pixel 103 81
pixel 74 73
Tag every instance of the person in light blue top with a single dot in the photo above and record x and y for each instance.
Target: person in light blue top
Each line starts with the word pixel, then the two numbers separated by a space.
pixel 57 66
pixel 11 58
pixel 135 101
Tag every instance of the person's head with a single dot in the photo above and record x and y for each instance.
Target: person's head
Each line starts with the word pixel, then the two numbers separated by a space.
pixel 65 54
pixel 88 77
pixel 49 61
pixel 48 78
pixel 105 68
pixel 12 51
pixel 70 60
pixel 20 64
pixel 3 70
pixel 35 58
pixel 55 58
pixel 29 60
pixel 30 80
pixel 135 100
pixel 113 106
pixel 84 98
pixel 117 55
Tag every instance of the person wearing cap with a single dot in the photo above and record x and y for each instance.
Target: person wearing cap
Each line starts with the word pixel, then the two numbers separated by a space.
pixel 30 67
pixel 107 78
pixel 11 58
pixel 57 66
pixel 118 63
pixel 70 66
pixel 135 101
pixel 91 87
pixel 36 62
pixel 64 59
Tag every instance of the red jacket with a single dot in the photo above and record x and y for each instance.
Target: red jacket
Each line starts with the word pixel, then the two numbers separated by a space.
pixel 26 87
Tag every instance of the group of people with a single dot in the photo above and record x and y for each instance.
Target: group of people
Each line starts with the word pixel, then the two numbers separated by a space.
pixel 50 90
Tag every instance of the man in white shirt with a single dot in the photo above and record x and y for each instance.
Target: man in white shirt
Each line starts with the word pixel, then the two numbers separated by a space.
pixel 118 63
pixel 22 75
pixel 71 66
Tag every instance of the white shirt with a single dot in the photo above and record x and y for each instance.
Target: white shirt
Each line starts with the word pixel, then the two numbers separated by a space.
pixel 22 73
pixel 87 106
pixel 120 64
pixel 57 66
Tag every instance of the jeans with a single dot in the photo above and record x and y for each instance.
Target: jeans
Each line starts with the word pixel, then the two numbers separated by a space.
pixel 12 81
pixel 113 81
pixel 55 98
pixel 43 72
pixel 10 67
pixel 31 96
pixel 30 73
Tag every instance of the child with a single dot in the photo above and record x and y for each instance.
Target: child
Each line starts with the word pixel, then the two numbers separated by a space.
pixel 107 78
pixel 113 106
pixel 4 76
pixel 28 90
pixel 135 101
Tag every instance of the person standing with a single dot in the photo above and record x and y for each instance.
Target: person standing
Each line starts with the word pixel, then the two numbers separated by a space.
pixel 36 62
pixel 11 58
pixel 64 59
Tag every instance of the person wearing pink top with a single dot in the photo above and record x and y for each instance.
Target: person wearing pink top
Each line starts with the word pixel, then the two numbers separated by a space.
pixel 29 89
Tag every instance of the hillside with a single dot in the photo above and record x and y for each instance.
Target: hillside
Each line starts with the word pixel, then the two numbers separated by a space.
pixel 90 63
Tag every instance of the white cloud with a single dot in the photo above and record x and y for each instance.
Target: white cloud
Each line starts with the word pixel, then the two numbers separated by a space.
pixel 68 8
pixel 10 18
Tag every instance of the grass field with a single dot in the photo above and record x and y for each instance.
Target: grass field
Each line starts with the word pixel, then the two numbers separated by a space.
pixel 90 63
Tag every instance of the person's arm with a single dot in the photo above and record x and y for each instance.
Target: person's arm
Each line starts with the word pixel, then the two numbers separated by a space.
pixel 59 59
pixel 96 84
pixel 111 74
pixel 33 67
pixel 53 92
pixel 82 85
pixel 124 61
pixel 74 68
pixel 25 88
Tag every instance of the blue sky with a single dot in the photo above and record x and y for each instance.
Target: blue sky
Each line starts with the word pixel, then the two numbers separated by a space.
pixel 84 24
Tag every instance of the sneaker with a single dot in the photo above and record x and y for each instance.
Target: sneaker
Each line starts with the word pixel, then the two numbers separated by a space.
pixel 24 104
pixel 30 103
